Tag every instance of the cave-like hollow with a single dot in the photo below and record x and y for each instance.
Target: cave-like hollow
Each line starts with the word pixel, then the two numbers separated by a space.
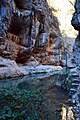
pixel 17 25
pixel 20 4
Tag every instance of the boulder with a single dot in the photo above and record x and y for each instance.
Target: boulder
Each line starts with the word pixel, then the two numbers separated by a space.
pixel 9 68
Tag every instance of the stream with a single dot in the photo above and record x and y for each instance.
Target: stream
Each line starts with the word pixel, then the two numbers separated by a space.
pixel 52 104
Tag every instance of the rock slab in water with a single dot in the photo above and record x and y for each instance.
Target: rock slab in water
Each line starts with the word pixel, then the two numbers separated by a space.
pixel 9 68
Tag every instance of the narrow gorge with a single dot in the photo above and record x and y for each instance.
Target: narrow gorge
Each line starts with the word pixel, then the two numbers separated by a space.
pixel 39 60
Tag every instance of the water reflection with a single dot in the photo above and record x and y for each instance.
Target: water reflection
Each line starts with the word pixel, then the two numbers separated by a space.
pixel 53 96
pixel 67 113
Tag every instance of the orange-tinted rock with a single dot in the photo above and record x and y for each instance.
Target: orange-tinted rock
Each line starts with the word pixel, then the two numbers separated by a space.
pixel 30 29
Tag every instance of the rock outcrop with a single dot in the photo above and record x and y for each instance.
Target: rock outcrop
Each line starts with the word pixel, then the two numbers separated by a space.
pixel 76 24
pixel 9 68
pixel 28 28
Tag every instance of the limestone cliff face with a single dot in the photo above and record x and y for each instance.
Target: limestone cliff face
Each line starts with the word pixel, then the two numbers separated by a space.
pixel 76 24
pixel 63 10
pixel 28 28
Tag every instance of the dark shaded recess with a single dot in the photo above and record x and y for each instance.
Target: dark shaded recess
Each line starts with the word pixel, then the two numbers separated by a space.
pixel 23 60
pixel 24 57
pixel 4 2
pixel 20 4
pixel 40 17
pixel 17 25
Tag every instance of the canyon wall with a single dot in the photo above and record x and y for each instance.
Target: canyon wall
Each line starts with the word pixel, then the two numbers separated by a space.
pixel 76 24
pixel 29 31
pixel 63 10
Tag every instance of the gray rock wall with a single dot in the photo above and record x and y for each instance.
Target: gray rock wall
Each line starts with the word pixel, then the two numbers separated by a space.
pixel 76 24
pixel 28 28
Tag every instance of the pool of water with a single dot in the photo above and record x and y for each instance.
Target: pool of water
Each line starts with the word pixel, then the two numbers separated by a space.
pixel 52 97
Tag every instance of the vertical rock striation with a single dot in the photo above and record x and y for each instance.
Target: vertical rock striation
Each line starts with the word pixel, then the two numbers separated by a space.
pixel 28 28
pixel 76 24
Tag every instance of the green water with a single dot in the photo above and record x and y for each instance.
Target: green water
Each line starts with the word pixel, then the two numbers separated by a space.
pixel 33 97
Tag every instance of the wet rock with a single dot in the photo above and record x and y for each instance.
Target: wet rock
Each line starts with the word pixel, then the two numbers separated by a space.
pixel 40 69
pixel 9 68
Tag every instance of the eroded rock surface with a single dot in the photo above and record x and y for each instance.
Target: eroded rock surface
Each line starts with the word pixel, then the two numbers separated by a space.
pixel 28 28
pixel 76 24
pixel 9 68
